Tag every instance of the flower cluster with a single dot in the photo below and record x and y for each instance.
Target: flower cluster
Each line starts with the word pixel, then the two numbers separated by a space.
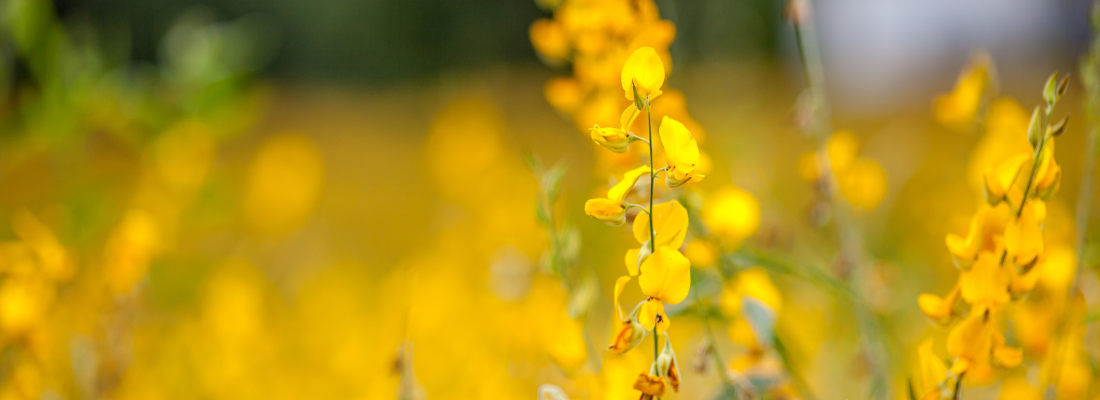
pixel 664 274
pixel 594 38
pixel 1000 258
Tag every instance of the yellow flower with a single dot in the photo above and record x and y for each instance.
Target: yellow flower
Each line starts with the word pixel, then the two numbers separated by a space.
pixel 986 282
pixel 986 226
pixel 932 371
pixel 681 152
pixel 701 253
pixel 959 108
pixel 999 181
pixel 612 210
pixel 645 72
pixel 616 139
pixel 1048 177
pixel 670 220
pixel 665 278
pixel 842 148
pixel 863 183
pixel 732 215
pixel 630 333
pixel 861 180
pixel 978 347
pixel 1024 235
pixel 939 309
pixel 550 40
pixel 650 386
pixel 753 282
pixel 564 94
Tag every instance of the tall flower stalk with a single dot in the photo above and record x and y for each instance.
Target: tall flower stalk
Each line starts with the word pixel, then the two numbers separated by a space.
pixel 664 274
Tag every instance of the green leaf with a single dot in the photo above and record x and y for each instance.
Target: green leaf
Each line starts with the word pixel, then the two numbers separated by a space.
pixel 761 319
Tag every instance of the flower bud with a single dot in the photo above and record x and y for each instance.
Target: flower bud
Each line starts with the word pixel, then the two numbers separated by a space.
pixel 613 139
pixel 1034 128
pixel 629 336
pixel 606 211
pixel 667 367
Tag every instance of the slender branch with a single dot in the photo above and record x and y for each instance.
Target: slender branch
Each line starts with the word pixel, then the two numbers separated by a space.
pixel 719 366
pixel 850 249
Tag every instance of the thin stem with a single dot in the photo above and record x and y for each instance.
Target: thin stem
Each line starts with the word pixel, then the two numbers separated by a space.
pixel 958 387
pixel 719 365
pixel 848 242
pixel 652 177
pixel 652 233
pixel 1037 159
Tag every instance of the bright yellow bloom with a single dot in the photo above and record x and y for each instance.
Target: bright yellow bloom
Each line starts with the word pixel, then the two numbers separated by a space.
pixel 681 152
pixel 932 371
pixel 665 277
pixel 644 71
pixel 612 210
pixel 939 309
pixel 978 347
pixel 671 222
pixel 999 181
pixel 986 282
pixel 629 333
pixel 732 215
pixel 986 228
pixel 1024 235
pixel 1048 177
pixel 959 108
pixel 617 139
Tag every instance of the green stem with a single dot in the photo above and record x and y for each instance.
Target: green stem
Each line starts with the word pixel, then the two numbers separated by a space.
pixel 652 233
pixel 719 365
pixel 848 242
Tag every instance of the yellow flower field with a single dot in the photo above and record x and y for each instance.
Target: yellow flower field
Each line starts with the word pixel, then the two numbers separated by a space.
pixel 550 199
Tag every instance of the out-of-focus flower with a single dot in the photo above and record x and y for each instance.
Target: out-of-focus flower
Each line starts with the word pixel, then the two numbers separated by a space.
pixel 1023 236
pixel 861 181
pixel 731 214
pixel 753 282
pixel 681 152
pixel 985 282
pixel 643 72
pixel 284 182
pixel 138 238
pixel 933 372
pixel 959 108
pixel 550 41
pixel 939 309
pixel 612 210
